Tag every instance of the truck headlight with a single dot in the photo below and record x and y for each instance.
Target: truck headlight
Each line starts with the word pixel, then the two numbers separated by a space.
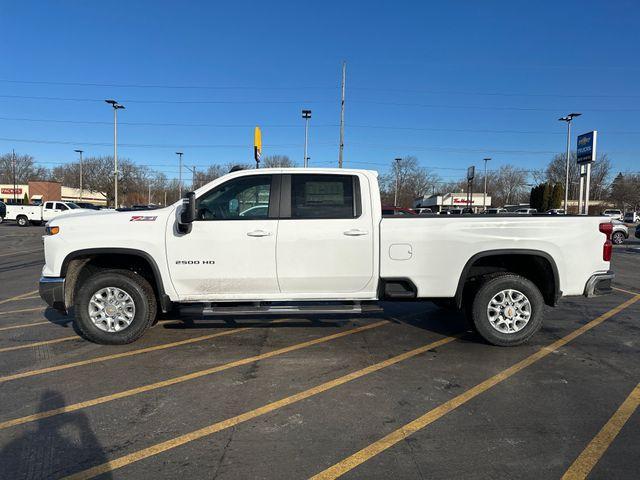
pixel 48 230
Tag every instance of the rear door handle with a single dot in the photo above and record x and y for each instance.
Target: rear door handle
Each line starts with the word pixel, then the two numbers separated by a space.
pixel 258 233
pixel 355 232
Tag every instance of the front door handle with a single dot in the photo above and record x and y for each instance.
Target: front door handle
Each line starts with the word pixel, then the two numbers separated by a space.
pixel 355 232
pixel 258 233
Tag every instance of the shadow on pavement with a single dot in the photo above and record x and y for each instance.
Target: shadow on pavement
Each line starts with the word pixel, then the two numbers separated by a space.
pixel 52 449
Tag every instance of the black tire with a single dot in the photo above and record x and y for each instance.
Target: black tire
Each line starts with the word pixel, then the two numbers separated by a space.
pixel 491 287
pixel 22 221
pixel 617 238
pixel 136 286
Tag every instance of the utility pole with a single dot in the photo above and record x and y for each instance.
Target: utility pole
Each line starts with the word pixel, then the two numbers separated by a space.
pixel 484 200
pixel 395 194
pixel 80 152
pixel 165 198
pixel 15 183
pixel 193 172
pixel 149 198
pixel 306 114
pixel 116 106
pixel 344 78
pixel 180 175
pixel 568 119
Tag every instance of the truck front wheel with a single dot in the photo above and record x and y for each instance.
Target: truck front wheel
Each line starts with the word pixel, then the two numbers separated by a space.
pixel 507 310
pixel 114 307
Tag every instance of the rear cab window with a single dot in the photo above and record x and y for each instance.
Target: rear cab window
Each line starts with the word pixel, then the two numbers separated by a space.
pixel 325 196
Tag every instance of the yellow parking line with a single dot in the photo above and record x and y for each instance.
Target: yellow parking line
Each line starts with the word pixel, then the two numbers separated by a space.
pixel 26 325
pixel 23 310
pixel 625 291
pixel 18 297
pixel 251 414
pixel 22 252
pixel 431 416
pixel 184 378
pixel 590 456
pixel 38 344
pixel 130 353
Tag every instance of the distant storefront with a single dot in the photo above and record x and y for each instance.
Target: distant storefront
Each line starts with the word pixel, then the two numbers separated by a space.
pixel 37 192
pixel 448 201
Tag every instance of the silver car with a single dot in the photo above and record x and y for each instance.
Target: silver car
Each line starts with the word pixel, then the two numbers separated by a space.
pixel 620 232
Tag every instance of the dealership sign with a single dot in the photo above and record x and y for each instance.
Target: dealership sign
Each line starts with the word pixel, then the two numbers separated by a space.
pixel 11 191
pixel 586 151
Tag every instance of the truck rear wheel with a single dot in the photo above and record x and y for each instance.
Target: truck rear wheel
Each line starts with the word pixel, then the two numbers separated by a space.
pixel 507 309
pixel 114 307
pixel 22 221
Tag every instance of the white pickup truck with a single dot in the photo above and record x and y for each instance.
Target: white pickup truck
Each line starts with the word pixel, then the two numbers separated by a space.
pixel 25 215
pixel 314 240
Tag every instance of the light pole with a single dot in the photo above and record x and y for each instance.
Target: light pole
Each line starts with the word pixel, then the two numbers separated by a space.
pixel 80 152
pixel 116 106
pixel 179 174
pixel 567 119
pixel 192 169
pixel 395 194
pixel 306 114
pixel 484 199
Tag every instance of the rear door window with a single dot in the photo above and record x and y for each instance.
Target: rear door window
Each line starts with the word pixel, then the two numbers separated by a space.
pixel 48 205
pixel 323 196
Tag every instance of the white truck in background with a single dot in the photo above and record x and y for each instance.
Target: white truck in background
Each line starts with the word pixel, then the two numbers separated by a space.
pixel 25 215
pixel 306 241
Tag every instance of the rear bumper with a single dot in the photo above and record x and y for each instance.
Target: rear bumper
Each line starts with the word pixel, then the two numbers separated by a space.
pixel 599 284
pixel 52 292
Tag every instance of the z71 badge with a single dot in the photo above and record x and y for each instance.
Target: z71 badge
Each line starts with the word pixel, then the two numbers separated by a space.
pixel 142 218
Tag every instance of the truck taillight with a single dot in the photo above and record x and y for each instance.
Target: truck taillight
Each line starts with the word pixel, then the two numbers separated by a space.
pixel 607 248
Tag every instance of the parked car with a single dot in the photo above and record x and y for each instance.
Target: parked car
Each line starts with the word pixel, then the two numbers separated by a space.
pixel 613 213
pixel 3 211
pixel 638 231
pixel 495 211
pixel 454 211
pixel 631 217
pixel 322 242
pixel 394 211
pixel 87 205
pixel 620 232
pixel 422 210
pixel 25 215
pixel 555 211
pixel 526 211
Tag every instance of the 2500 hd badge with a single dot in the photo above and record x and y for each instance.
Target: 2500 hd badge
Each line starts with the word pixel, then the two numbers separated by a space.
pixel 195 262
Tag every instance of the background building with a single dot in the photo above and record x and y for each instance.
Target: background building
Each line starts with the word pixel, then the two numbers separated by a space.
pixel 43 191
pixel 446 201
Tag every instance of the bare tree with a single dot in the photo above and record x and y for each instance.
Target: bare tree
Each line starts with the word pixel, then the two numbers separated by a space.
pixel 413 181
pixel 25 169
pixel 625 191
pixel 510 185
pixel 277 161
pixel 600 174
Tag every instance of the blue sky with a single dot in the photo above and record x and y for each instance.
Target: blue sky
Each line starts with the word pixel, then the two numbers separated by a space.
pixel 448 82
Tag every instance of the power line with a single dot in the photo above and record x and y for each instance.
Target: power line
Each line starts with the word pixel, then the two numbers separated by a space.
pixel 482 107
pixel 160 86
pixel 176 102
pixel 314 87
pixel 326 125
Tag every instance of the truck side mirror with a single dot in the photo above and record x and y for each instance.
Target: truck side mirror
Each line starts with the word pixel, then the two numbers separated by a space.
pixel 188 214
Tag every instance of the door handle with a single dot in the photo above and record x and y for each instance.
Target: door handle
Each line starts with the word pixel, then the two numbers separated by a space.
pixel 258 233
pixel 355 232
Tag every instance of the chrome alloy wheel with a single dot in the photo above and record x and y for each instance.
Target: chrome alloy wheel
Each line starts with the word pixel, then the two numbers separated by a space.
pixel 509 311
pixel 111 309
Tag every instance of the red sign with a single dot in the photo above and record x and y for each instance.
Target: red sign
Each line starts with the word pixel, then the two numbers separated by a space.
pixel 463 201
pixel 11 191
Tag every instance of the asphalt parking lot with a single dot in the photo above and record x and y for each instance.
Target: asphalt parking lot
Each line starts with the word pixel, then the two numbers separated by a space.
pixel 405 393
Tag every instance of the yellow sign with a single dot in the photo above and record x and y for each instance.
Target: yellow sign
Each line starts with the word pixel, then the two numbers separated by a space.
pixel 257 144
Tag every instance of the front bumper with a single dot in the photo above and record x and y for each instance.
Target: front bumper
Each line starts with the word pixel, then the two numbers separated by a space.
pixel 599 284
pixel 52 292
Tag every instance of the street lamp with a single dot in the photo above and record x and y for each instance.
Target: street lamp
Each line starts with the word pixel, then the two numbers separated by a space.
pixel 306 114
pixel 484 199
pixel 116 106
pixel 180 174
pixel 80 152
pixel 567 119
